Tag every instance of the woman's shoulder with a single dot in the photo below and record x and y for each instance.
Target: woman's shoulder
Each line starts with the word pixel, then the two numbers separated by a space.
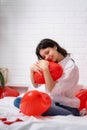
pixel 67 62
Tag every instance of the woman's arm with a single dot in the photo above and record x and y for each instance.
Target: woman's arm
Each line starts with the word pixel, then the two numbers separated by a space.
pixel 32 79
pixel 67 84
pixel 34 68
pixel 49 82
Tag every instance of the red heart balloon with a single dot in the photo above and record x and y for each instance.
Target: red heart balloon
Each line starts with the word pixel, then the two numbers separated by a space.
pixel 8 91
pixel 35 103
pixel 56 72
pixel 82 95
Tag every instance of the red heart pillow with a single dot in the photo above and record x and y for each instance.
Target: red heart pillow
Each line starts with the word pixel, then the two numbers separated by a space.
pixel 56 72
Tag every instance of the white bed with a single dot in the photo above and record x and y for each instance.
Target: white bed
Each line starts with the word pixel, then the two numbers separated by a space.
pixel 11 113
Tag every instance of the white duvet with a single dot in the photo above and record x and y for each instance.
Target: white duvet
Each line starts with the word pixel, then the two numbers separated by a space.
pixel 11 113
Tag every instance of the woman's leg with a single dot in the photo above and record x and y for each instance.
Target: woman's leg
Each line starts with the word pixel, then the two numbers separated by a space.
pixel 17 102
pixel 74 111
pixel 56 110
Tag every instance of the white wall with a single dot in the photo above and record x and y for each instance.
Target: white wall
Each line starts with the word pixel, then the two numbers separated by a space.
pixel 23 23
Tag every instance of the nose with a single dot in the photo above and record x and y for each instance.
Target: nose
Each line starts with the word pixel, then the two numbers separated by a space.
pixel 46 57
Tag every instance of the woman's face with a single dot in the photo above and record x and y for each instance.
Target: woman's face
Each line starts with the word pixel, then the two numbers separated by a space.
pixel 51 54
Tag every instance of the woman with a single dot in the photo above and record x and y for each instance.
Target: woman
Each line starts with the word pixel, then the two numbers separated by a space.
pixel 63 90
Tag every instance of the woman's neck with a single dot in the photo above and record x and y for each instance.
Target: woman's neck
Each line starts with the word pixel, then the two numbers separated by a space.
pixel 61 57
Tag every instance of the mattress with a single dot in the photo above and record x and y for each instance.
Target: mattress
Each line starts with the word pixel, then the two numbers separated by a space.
pixel 12 118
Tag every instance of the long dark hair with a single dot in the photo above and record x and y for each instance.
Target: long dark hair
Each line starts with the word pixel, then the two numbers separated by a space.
pixel 45 43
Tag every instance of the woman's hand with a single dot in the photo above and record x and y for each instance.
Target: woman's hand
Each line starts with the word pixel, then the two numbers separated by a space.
pixel 49 82
pixel 35 68
pixel 43 64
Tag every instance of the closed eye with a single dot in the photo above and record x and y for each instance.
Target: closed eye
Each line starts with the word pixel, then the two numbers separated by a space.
pixel 47 52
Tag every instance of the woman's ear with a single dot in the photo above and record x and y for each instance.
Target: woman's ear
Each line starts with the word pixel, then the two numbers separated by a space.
pixel 55 47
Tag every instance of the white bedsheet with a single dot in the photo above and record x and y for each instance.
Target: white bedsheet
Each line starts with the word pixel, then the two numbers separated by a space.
pixel 10 112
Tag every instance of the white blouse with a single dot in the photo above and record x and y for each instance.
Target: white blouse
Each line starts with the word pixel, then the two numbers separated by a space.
pixel 66 87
